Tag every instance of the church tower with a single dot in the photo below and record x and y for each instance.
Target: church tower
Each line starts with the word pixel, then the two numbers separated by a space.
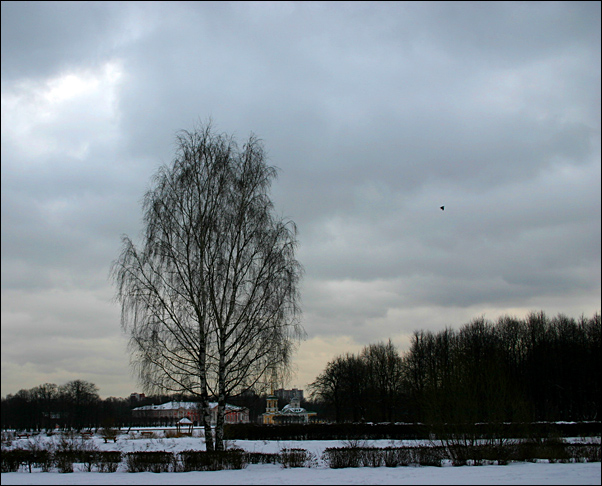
pixel 271 406
pixel 272 402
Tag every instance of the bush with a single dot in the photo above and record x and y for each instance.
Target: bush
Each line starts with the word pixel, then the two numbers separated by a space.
pixel 388 456
pixel 71 450
pixel 296 458
pixel 584 452
pixel 429 456
pixel 394 457
pixel 88 458
pixel 340 457
pixel 41 458
pixel 12 459
pixel 150 461
pixel 534 449
pixel 556 450
pixel 213 460
pixel 64 461
pixel 108 461
pixel 372 457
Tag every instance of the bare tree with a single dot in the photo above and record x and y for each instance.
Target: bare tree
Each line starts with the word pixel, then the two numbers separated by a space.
pixel 210 300
pixel 330 386
pixel 79 399
pixel 384 369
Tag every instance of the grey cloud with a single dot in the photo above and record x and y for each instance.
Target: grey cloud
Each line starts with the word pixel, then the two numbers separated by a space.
pixel 376 114
pixel 42 38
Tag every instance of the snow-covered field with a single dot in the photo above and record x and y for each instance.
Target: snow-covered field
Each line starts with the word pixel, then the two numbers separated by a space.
pixel 514 473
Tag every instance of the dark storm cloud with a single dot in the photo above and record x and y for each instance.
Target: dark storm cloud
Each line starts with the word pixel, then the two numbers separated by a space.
pixel 43 38
pixel 376 113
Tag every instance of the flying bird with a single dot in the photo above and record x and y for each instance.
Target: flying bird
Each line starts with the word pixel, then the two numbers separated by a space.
pixel 442 208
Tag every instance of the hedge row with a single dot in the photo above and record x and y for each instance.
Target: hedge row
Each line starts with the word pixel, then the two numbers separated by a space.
pixel 342 457
pixel 553 451
pixel 239 459
pixel 103 461
pixel 339 457
pixel 151 461
pixel 404 431
pixel 213 460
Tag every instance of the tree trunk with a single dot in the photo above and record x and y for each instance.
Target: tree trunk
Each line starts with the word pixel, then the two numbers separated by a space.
pixel 221 407
pixel 206 421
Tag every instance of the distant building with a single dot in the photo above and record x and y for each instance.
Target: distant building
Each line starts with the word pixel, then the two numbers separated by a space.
pixel 171 412
pixel 136 397
pixel 292 413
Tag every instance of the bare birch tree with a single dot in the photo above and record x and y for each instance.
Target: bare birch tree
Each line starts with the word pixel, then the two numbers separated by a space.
pixel 211 300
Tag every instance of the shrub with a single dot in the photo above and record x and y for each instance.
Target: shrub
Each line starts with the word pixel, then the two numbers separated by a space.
pixel 88 458
pixel 150 461
pixel 372 457
pixel 398 456
pixel 388 456
pixel 64 461
pixel 296 458
pixel 339 457
pixel 70 450
pixel 41 458
pixel 262 458
pixel 213 460
pixel 12 459
pixel 584 452
pixel 502 452
pixel 39 455
pixel 108 461
pixel 554 449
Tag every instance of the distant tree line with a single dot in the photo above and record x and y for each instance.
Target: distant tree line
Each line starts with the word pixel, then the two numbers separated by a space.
pixel 77 405
pixel 74 405
pixel 514 370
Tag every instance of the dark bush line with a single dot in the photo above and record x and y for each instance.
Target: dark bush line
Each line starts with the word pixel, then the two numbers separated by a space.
pixel 150 461
pixel 401 431
pixel 105 461
pixel 296 458
pixel 340 457
pixel 263 458
pixel 108 461
pixel 12 460
pixel 213 460
pixel 553 450
pixel 239 459
pixel 460 455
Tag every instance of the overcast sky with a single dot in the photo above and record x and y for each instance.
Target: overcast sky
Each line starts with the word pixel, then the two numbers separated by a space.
pixel 376 113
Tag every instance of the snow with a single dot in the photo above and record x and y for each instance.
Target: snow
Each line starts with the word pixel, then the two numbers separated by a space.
pixel 514 473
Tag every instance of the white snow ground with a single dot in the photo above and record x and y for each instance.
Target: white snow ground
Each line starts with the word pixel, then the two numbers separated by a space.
pixel 514 473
